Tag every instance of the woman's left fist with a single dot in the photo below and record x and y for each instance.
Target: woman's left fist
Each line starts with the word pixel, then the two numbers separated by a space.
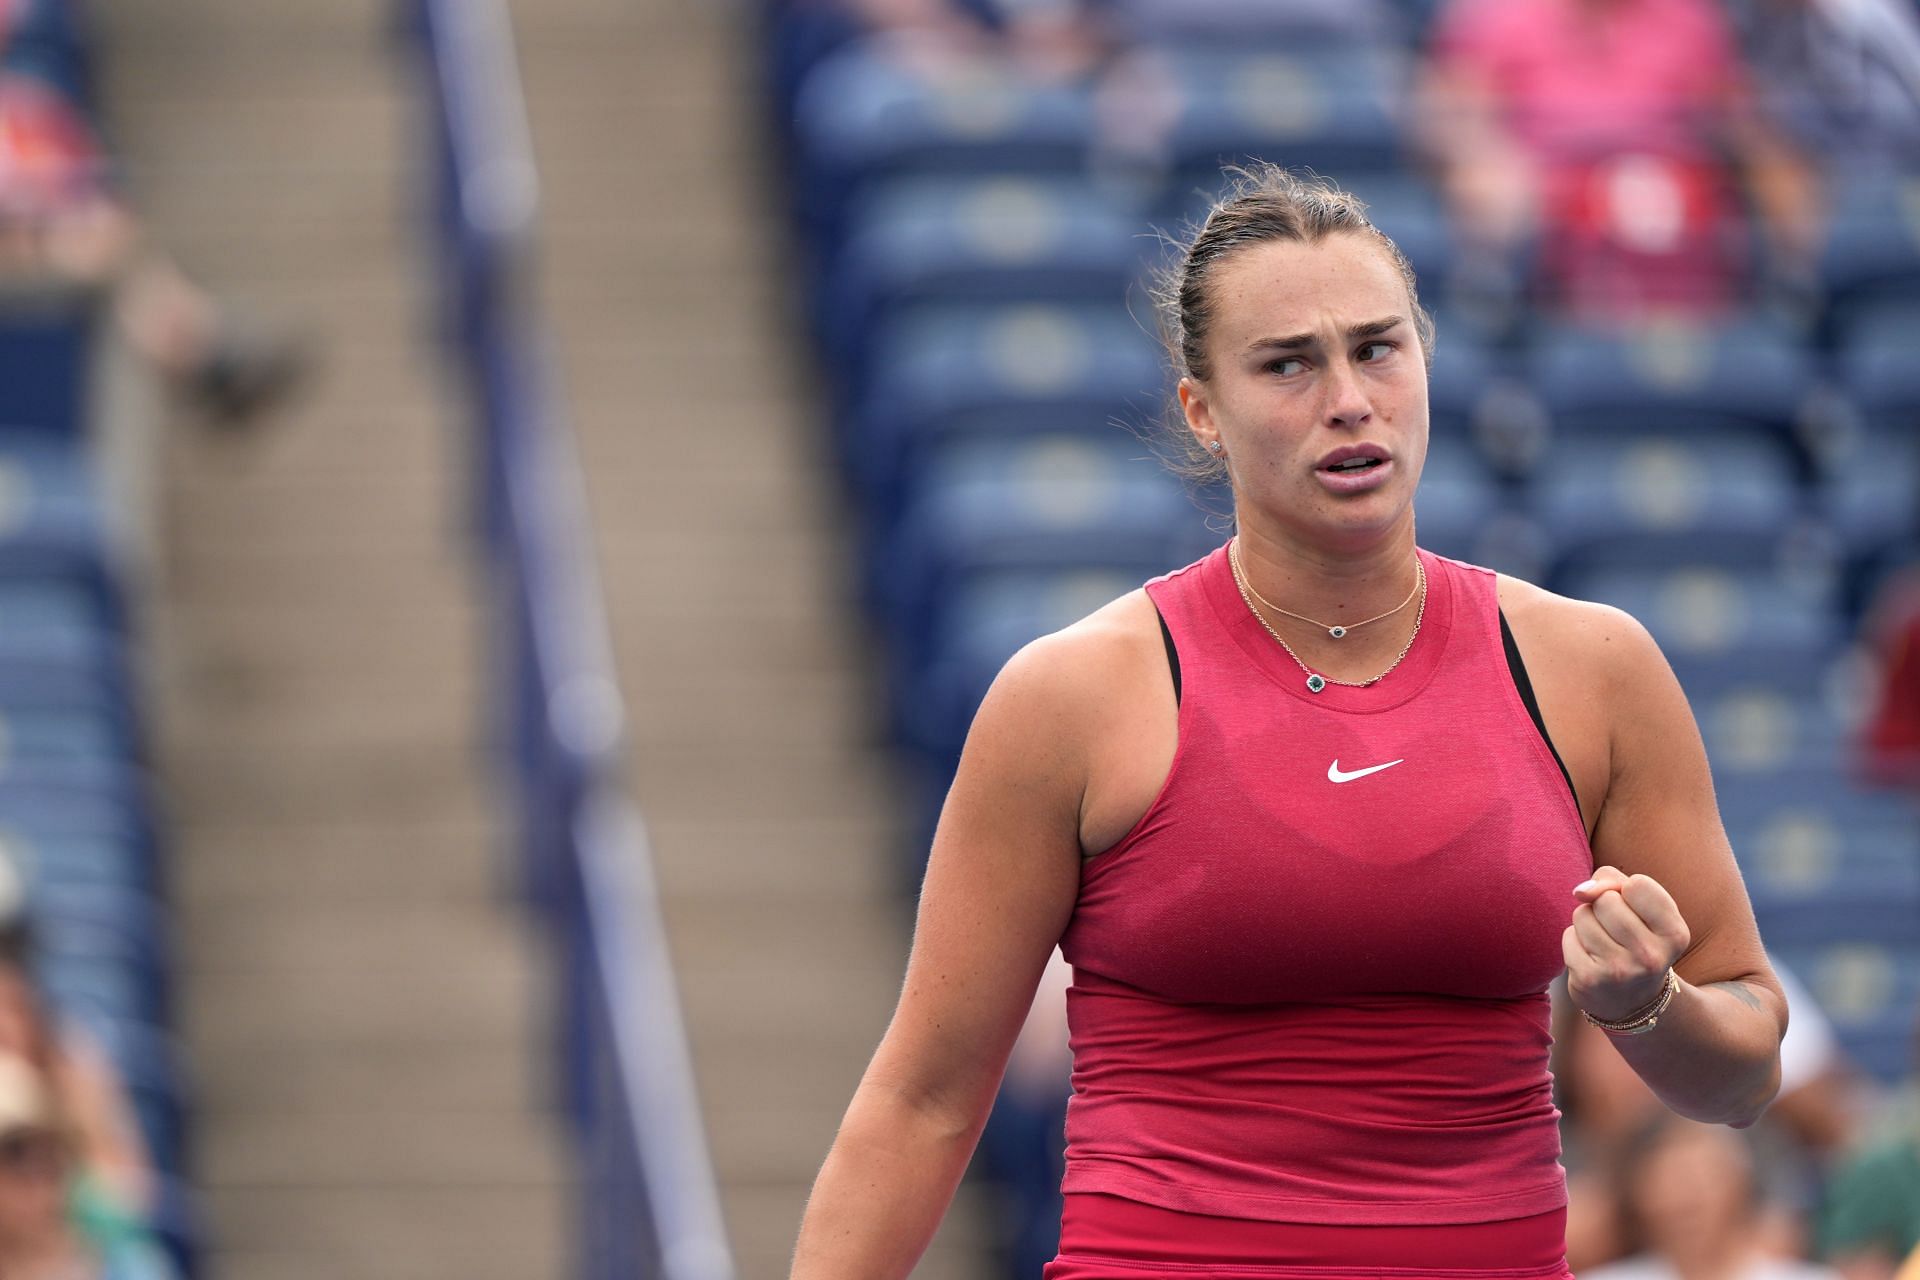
pixel 1626 933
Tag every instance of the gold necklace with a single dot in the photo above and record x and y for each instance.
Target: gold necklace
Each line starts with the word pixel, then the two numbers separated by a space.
pixel 1333 632
pixel 1315 681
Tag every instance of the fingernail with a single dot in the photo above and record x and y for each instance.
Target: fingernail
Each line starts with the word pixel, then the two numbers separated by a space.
pixel 1586 886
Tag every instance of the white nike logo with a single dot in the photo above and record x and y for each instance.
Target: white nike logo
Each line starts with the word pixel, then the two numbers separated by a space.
pixel 1334 774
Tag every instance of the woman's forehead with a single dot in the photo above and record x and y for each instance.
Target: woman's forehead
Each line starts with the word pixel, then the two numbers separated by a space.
pixel 1291 286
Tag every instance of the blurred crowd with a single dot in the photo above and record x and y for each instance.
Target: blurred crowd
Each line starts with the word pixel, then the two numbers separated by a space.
pixel 65 223
pixel 78 1190
pixel 1610 165
pixel 1605 157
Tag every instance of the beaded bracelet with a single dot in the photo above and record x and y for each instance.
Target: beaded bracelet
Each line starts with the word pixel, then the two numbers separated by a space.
pixel 1645 1020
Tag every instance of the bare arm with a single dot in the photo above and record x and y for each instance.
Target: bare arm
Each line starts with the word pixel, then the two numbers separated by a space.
pixel 1667 892
pixel 1001 883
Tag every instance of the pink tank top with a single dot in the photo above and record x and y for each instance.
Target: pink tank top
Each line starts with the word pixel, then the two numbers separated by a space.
pixel 1310 984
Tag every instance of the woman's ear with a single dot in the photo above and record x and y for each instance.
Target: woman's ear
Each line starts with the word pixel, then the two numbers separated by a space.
pixel 1195 408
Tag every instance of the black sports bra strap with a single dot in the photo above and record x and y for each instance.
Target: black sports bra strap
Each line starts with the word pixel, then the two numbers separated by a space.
pixel 1524 683
pixel 1173 654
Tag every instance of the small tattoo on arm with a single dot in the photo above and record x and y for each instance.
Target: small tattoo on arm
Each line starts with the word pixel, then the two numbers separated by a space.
pixel 1743 993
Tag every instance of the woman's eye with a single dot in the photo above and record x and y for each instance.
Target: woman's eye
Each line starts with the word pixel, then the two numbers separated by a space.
pixel 1286 366
pixel 1379 350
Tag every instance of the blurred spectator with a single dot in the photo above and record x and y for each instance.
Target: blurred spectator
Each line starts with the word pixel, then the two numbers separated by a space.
pixel 1893 636
pixel 61 222
pixel 1606 1109
pixel 1052 39
pixel 108 1151
pixel 40 1238
pixel 1872 1219
pixel 1609 137
pixel 1841 77
pixel 1690 1202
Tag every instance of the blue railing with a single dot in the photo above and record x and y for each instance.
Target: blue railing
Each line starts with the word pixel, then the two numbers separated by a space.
pixel 649 1205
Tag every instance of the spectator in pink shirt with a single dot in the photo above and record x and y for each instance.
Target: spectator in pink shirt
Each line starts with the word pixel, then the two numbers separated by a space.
pixel 1613 136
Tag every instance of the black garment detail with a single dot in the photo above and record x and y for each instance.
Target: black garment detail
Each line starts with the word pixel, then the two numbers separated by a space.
pixel 1524 684
pixel 1173 655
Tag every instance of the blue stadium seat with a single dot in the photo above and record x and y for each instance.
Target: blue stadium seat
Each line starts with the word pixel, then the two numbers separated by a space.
pixel 1673 377
pixel 1875 365
pixel 984 621
pixel 54 613
pixel 1459 497
pixel 1720 493
pixel 1408 209
pixel 1869 490
pixel 1870 992
pixel 76 856
pixel 94 808
pixel 38 745
pixel 1040 502
pixel 937 370
pixel 1767 708
pixel 1330 110
pixel 45 362
pixel 102 922
pixel 1872 254
pixel 1258 24
pixel 860 116
pixel 1018 238
pixel 1707 611
pixel 50 518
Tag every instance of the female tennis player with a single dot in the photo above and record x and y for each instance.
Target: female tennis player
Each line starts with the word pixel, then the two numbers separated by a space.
pixel 1317 820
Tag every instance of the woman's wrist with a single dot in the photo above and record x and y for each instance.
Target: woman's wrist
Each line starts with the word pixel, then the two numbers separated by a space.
pixel 1645 1018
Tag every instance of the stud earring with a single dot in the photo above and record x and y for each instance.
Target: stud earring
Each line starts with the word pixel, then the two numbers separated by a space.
pixel 1214 447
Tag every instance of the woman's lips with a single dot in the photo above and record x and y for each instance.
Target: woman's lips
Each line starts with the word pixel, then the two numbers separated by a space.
pixel 1355 481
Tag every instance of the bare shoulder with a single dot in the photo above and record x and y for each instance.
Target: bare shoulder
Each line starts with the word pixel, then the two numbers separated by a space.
pixel 1083 660
pixel 1054 692
pixel 1586 638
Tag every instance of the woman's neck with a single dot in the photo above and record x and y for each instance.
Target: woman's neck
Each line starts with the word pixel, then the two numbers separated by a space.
pixel 1338 588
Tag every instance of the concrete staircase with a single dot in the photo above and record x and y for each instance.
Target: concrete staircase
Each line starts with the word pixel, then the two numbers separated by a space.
pixel 363 1008
pixel 757 758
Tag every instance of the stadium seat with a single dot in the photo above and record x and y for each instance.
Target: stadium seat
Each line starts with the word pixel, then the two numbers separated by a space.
pixel 1870 992
pixel 1673 377
pixel 1628 496
pixel 935 370
pixel 1039 502
pixel 1869 490
pixel 1705 610
pixel 1459 498
pixel 1329 110
pixel 982 623
pixel 1872 252
pixel 1258 24
pixel 1407 208
pixel 860 116
pixel 45 354
pixel 1009 238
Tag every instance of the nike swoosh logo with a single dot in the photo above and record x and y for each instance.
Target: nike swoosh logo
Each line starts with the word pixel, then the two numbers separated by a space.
pixel 1334 774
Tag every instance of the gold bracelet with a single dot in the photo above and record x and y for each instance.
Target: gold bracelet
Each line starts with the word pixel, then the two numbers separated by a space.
pixel 1645 1020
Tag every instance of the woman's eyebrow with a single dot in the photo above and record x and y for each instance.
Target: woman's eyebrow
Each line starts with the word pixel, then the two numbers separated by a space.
pixel 1298 341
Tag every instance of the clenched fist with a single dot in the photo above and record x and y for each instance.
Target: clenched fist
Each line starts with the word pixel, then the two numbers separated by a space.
pixel 1626 933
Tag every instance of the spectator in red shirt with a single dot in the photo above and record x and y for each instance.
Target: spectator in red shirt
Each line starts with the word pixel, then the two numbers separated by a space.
pixel 1893 730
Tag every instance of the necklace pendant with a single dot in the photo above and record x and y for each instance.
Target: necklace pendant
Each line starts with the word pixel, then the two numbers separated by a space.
pixel 1315 682
pixel 1337 632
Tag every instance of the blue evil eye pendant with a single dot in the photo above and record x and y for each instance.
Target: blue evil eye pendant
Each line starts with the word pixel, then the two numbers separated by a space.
pixel 1315 683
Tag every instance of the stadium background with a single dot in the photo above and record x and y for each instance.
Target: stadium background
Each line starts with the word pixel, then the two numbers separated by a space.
pixel 703 403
